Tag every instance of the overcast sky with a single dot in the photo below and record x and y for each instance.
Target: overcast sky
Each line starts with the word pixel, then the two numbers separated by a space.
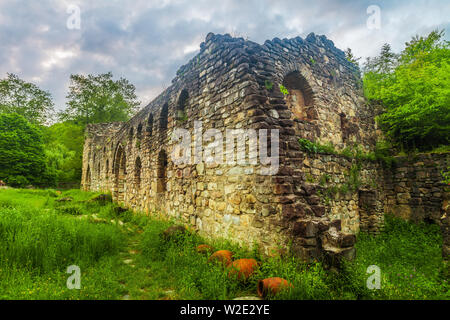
pixel 146 41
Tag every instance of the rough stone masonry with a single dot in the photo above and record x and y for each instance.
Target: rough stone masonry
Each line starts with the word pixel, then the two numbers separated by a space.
pixel 235 84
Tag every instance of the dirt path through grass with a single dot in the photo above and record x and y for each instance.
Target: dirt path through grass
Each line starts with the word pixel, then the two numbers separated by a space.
pixel 136 276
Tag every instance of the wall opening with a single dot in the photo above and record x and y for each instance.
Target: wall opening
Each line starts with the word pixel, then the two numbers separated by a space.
pixel 107 170
pixel 150 125
pixel 139 131
pixel 164 117
pixel 87 181
pixel 120 173
pixel 130 134
pixel 137 174
pixel 300 99
pixel 161 185
pixel 181 113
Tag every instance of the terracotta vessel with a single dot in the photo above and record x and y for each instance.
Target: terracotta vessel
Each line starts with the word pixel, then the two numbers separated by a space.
pixel 272 286
pixel 223 256
pixel 204 248
pixel 244 268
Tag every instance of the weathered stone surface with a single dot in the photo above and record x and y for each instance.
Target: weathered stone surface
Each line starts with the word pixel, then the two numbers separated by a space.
pixel 234 84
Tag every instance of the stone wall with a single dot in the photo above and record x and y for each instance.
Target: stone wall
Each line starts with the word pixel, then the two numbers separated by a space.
pixel 414 188
pixel 346 189
pixel 233 84
pixel 415 191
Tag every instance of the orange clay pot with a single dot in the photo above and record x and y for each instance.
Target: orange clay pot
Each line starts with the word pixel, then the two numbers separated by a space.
pixel 272 286
pixel 223 256
pixel 243 267
pixel 204 248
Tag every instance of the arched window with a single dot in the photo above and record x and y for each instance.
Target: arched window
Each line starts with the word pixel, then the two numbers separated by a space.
pixel 162 172
pixel 130 134
pixel 163 119
pixel 139 131
pixel 150 125
pixel 181 105
pixel 137 173
pixel 300 98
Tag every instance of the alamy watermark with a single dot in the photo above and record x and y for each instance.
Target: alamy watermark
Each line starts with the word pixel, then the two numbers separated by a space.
pixel 74 281
pixel 74 20
pixel 190 150
pixel 374 19
pixel 374 280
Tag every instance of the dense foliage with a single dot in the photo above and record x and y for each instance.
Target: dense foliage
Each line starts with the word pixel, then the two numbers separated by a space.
pixel 96 99
pixel 414 89
pixel 39 153
pixel 64 152
pixel 26 99
pixel 22 154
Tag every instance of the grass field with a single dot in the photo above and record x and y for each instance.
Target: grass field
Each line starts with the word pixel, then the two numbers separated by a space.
pixel 122 256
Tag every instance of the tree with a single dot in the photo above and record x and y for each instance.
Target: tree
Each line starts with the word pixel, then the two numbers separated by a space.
pixel 22 156
pixel 64 152
pixel 351 57
pixel 414 88
pixel 24 98
pixel 95 99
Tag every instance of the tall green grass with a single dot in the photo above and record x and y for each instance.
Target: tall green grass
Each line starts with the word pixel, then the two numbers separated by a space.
pixel 409 256
pixel 40 237
pixel 38 242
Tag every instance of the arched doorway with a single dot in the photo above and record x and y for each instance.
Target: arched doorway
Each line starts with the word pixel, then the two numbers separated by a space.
pixel 137 174
pixel 161 185
pixel 120 173
pixel 87 179
pixel 163 118
pixel 107 170
pixel 181 106
pixel 150 125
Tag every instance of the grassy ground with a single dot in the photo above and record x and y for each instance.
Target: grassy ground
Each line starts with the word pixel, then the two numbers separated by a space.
pixel 122 256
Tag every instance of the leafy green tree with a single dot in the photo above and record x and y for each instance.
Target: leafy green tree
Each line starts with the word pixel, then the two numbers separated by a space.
pixel 24 98
pixel 64 152
pixel 96 99
pixel 414 89
pixel 22 155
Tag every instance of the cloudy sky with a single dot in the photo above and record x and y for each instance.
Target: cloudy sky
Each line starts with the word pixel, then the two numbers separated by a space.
pixel 146 41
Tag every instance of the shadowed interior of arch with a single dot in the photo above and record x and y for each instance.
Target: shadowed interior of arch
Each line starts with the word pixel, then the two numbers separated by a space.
pixel 300 99
pixel 119 174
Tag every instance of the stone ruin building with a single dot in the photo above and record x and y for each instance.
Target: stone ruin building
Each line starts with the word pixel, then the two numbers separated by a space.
pixel 235 84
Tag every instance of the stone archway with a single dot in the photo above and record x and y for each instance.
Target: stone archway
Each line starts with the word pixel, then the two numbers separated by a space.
pixel 87 181
pixel 120 173
pixel 161 185
pixel 300 99
pixel 137 174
